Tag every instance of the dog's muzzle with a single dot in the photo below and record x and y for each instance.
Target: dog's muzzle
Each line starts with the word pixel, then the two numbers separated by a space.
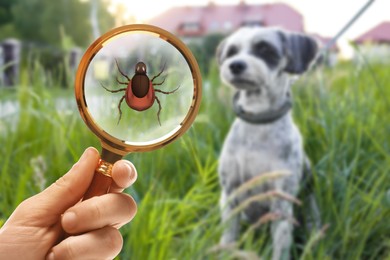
pixel 239 79
pixel 237 67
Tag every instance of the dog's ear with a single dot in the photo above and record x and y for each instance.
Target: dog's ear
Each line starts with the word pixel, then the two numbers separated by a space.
pixel 219 51
pixel 300 51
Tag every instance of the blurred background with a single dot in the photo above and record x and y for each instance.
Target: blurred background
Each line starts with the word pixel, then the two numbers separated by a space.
pixel 341 107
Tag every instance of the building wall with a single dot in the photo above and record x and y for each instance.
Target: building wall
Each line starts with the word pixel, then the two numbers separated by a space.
pixel 378 53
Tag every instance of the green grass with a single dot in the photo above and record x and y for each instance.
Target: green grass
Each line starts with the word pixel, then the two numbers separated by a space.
pixel 342 113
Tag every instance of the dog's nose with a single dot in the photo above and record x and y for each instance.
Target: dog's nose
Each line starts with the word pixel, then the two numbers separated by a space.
pixel 237 67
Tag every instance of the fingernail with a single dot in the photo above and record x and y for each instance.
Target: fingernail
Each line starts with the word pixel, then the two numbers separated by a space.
pixel 129 177
pixel 69 221
pixel 132 176
pixel 50 256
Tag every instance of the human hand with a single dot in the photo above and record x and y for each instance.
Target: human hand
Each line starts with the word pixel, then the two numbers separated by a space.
pixel 36 229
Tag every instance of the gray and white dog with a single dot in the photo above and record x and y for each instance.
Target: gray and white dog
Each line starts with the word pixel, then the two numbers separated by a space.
pixel 258 63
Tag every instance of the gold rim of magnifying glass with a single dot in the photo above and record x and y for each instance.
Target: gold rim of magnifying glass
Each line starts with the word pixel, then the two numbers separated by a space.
pixel 116 145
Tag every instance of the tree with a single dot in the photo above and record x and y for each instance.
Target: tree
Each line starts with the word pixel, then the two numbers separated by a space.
pixel 7 28
pixel 5 11
pixel 204 50
pixel 53 28
pixel 100 19
pixel 41 20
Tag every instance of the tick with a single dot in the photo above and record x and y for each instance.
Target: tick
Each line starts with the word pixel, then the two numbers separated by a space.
pixel 140 92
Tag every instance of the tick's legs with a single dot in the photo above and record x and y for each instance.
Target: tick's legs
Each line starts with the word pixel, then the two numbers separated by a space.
pixel 159 110
pixel 120 82
pixel 159 73
pixel 120 102
pixel 113 91
pixel 123 74
pixel 159 84
pixel 119 108
pixel 166 92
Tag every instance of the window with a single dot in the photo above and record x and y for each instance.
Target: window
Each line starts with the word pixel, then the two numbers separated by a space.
pixel 190 27
pixel 214 26
pixel 228 25
pixel 253 23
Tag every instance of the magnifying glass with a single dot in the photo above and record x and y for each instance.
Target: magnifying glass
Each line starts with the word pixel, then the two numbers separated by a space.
pixel 137 88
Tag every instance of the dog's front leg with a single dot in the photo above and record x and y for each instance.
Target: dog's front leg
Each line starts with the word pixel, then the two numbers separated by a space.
pixel 231 224
pixel 282 230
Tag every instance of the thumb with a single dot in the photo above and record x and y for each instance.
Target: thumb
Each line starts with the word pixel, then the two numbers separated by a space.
pixel 70 188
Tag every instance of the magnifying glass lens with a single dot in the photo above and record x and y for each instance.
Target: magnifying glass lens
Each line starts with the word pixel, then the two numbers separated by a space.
pixel 137 88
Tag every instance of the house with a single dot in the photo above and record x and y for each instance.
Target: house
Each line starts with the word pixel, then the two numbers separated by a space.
pixel 375 43
pixel 380 34
pixel 192 23
pixel 189 22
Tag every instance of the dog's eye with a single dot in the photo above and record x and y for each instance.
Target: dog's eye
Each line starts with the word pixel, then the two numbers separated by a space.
pixel 266 52
pixel 231 51
pixel 262 48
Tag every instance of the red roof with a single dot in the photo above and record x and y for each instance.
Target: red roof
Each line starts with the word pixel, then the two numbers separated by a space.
pixel 324 41
pixel 201 20
pixel 378 34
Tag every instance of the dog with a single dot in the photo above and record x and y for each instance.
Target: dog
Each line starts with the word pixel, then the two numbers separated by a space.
pixel 260 64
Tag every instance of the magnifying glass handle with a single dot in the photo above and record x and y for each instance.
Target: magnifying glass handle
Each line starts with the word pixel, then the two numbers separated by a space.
pixel 101 181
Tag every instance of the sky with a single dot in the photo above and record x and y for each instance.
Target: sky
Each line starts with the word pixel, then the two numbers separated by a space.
pixel 325 17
